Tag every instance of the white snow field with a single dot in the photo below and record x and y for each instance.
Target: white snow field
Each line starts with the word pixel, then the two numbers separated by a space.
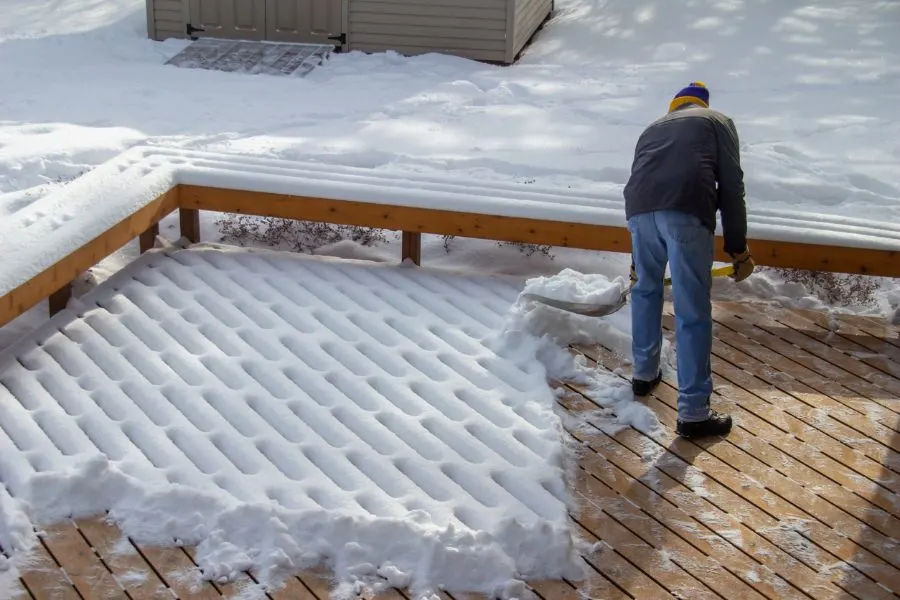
pixel 812 86
pixel 280 410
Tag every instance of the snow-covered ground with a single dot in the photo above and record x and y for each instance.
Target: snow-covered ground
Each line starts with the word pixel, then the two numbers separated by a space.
pixel 811 87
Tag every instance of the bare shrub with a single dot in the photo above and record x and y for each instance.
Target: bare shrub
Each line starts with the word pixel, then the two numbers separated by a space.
pixel 530 249
pixel 299 236
pixel 524 248
pixel 64 179
pixel 833 288
pixel 447 239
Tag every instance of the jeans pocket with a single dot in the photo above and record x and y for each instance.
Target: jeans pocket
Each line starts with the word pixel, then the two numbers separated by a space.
pixel 686 228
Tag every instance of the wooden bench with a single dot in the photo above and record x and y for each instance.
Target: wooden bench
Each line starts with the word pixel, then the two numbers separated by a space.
pixel 46 245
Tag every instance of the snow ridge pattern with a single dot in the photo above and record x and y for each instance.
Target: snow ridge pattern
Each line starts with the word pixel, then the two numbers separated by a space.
pixel 282 411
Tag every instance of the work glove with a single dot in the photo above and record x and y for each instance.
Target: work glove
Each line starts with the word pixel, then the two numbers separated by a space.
pixel 743 265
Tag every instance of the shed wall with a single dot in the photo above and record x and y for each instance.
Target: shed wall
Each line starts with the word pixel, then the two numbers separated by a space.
pixel 529 14
pixel 167 19
pixel 471 28
pixel 490 30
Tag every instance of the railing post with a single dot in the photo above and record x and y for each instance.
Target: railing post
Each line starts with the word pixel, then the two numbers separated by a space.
pixel 190 224
pixel 60 298
pixel 412 247
pixel 147 239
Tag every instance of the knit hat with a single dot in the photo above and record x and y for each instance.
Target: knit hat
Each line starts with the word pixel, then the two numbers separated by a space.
pixel 695 93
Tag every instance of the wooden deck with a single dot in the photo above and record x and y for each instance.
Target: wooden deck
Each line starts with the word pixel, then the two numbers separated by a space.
pixel 801 501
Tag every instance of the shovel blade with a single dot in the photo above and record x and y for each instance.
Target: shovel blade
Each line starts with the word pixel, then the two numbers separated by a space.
pixel 602 310
pixel 581 308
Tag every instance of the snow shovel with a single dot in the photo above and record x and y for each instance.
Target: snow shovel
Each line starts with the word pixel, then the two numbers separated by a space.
pixel 601 310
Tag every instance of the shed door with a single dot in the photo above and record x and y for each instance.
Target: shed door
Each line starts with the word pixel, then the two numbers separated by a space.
pixel 303 21
pixel 236 19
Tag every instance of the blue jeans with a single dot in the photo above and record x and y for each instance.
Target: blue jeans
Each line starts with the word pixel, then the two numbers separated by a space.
pixel 681 240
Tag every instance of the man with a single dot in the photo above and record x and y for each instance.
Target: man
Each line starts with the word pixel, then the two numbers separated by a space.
pixel 686 168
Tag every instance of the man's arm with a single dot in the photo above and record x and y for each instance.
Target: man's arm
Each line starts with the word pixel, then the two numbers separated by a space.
pixel 731 188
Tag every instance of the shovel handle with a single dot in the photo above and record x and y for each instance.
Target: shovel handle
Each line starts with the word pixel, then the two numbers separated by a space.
pixel 725 271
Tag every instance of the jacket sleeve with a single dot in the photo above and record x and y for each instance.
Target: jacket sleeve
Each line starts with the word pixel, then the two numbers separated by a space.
pixel 731 188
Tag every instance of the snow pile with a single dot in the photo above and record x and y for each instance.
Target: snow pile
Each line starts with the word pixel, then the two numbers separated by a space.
pixel 17 539
pixel 569 328
pixel 552 330
pixel 618 407
pixel 363 550
pixel 259 406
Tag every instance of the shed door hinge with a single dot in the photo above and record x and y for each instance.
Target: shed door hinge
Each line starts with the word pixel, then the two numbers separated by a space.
pixel 190 30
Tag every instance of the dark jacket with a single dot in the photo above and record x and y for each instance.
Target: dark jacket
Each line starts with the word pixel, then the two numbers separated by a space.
pixel 689 160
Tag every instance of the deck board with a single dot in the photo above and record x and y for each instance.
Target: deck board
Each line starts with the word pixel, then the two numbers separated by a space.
pixel 804 413
pixel 128 567
pixel 705 475
pixel 789 375
pixel 232 588
pixel 318 586
pixel 834 329
pixel 695 517
pixel 665 500
pixel 863 491
pixel 802 357
pixel 178 571
pixel 846 338
pixel 293 589
pixel 836 352
pixel 45 579
pixel 616 567
pixel 878 331
pixel 801 501
pixel 794 507
pixel 89 575
pixel 786 379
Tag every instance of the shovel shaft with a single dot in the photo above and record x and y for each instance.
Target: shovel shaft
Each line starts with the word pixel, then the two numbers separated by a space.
pixel 720 272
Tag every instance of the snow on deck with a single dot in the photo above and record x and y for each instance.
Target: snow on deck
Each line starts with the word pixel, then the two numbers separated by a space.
pixel 798 502
pixel 280 409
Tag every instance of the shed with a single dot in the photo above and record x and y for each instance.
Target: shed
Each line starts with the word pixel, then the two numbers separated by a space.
pixel 486 30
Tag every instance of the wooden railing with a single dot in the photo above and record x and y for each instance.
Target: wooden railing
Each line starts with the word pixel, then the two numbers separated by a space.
pixel 55 282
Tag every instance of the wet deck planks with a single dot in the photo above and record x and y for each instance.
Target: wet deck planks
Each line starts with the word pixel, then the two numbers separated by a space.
pixel 801 501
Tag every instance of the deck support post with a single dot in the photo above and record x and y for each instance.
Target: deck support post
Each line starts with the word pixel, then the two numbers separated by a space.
pixel 190 224
pixel 147 239
pixel 412 247
pixel 60 298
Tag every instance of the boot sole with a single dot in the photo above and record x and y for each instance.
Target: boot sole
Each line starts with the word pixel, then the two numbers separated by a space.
pixel 694 436
pixel 653 386
pixel 703 435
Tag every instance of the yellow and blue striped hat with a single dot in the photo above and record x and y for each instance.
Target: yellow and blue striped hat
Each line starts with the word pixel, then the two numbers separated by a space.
pixel 696 93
